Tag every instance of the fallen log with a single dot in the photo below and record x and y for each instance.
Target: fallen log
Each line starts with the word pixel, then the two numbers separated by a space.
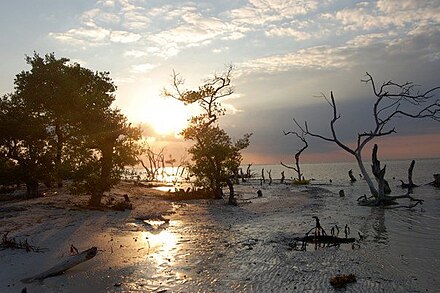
pixel 325 239
pixel 64 265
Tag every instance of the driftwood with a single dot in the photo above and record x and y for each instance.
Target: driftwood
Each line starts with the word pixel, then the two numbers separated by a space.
pixel 12 243
pixel 320 238
pixel 64 265
pixel 269 173
pixel 325 239
pixel 282 177
pixel 350 174
pixel 410 185
pixel 436 181
pixel 381 199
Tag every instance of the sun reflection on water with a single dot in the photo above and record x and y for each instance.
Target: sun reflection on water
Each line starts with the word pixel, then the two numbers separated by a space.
pixel 161 241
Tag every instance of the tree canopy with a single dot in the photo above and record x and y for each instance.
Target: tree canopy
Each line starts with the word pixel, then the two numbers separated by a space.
pixel 59 122
pixel 215 158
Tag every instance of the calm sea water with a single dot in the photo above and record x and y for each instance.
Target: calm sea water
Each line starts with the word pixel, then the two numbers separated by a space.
pixel 405 242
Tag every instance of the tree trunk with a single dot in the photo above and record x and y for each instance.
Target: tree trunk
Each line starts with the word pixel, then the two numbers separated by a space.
pixel 32 188
pixel 436 181
pixel 410 184
pixel 218 193
pixel 298 170
pixel 232 200
pixel 59 149
pixel 95 199
pixel 105 178
pixel 365 174
pixel 350 174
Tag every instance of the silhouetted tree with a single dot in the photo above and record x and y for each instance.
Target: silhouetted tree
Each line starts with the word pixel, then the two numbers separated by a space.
pixel 297 169
pixel 60 116
pixel 215 158
pixel 24 144
pixel 392 100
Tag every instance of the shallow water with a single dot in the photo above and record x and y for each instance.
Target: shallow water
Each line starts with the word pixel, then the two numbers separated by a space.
pixel 399 252
pixel 404 242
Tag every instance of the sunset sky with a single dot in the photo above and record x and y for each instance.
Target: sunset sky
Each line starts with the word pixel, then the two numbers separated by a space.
pixel 286 53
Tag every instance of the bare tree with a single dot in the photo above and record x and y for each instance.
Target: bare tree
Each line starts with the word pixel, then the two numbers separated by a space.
pixel 156 162
pixel 214 156
pixel 381 198
pixel 269 173
pixel 392 100
pixel 301 136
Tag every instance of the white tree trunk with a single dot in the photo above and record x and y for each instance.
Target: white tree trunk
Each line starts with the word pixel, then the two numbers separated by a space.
pixel 365 174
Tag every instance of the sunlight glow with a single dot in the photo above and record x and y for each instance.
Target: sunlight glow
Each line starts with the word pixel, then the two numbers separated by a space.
pixel 162 242
pixel 166 116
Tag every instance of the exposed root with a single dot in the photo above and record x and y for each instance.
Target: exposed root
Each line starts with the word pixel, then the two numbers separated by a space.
pixel 388 201
pixel 321 239
pixel 12 243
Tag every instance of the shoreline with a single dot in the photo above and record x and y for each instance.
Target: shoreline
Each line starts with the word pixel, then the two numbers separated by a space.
pixel 207 245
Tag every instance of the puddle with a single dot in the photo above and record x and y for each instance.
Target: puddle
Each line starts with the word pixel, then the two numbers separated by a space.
pixel 166 188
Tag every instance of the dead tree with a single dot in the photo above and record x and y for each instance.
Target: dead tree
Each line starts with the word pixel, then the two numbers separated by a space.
pixel 248 170
pixel 263 179
pixel 242 175
pixel 382 199
pixel 410 185
pixel 269 173
pixel 155 162
pixel 436 181
pixel 350 174
pixel 392 100
pixel 297 169
pixel 282 177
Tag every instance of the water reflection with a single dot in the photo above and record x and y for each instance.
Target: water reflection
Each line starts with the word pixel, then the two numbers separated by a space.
pixel 166 188
pixel 374 225
pixel 161 241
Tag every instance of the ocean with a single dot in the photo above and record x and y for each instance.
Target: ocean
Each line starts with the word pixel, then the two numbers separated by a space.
pixel 400 241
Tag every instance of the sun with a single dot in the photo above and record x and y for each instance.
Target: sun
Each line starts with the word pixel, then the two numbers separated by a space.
pixel 167 116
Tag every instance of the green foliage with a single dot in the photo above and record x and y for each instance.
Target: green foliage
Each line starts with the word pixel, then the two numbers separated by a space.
pixel 215 158
pixel 300 182
pixel 58 124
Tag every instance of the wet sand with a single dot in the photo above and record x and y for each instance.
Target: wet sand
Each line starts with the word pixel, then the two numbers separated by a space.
pixel 207 246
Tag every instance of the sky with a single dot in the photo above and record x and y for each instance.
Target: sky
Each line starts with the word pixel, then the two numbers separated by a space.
pixel 286 54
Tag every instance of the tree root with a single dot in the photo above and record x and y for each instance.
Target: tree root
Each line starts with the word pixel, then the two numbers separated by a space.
pixel 11 243
pixel 388 201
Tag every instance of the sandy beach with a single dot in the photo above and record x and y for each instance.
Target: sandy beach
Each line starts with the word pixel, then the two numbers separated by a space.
pixel 207 245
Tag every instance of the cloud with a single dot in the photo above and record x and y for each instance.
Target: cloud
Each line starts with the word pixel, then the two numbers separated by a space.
pixel 107 3
pixel 387 14
pixel 135 53
pixel 262 12
pixel 288 32
pixel 318 57
pixel 124 37
pixel 142 68
pixel 99 16
pixel 89 35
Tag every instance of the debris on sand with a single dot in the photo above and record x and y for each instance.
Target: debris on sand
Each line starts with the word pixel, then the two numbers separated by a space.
pixel 12 243
pixel 340 281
